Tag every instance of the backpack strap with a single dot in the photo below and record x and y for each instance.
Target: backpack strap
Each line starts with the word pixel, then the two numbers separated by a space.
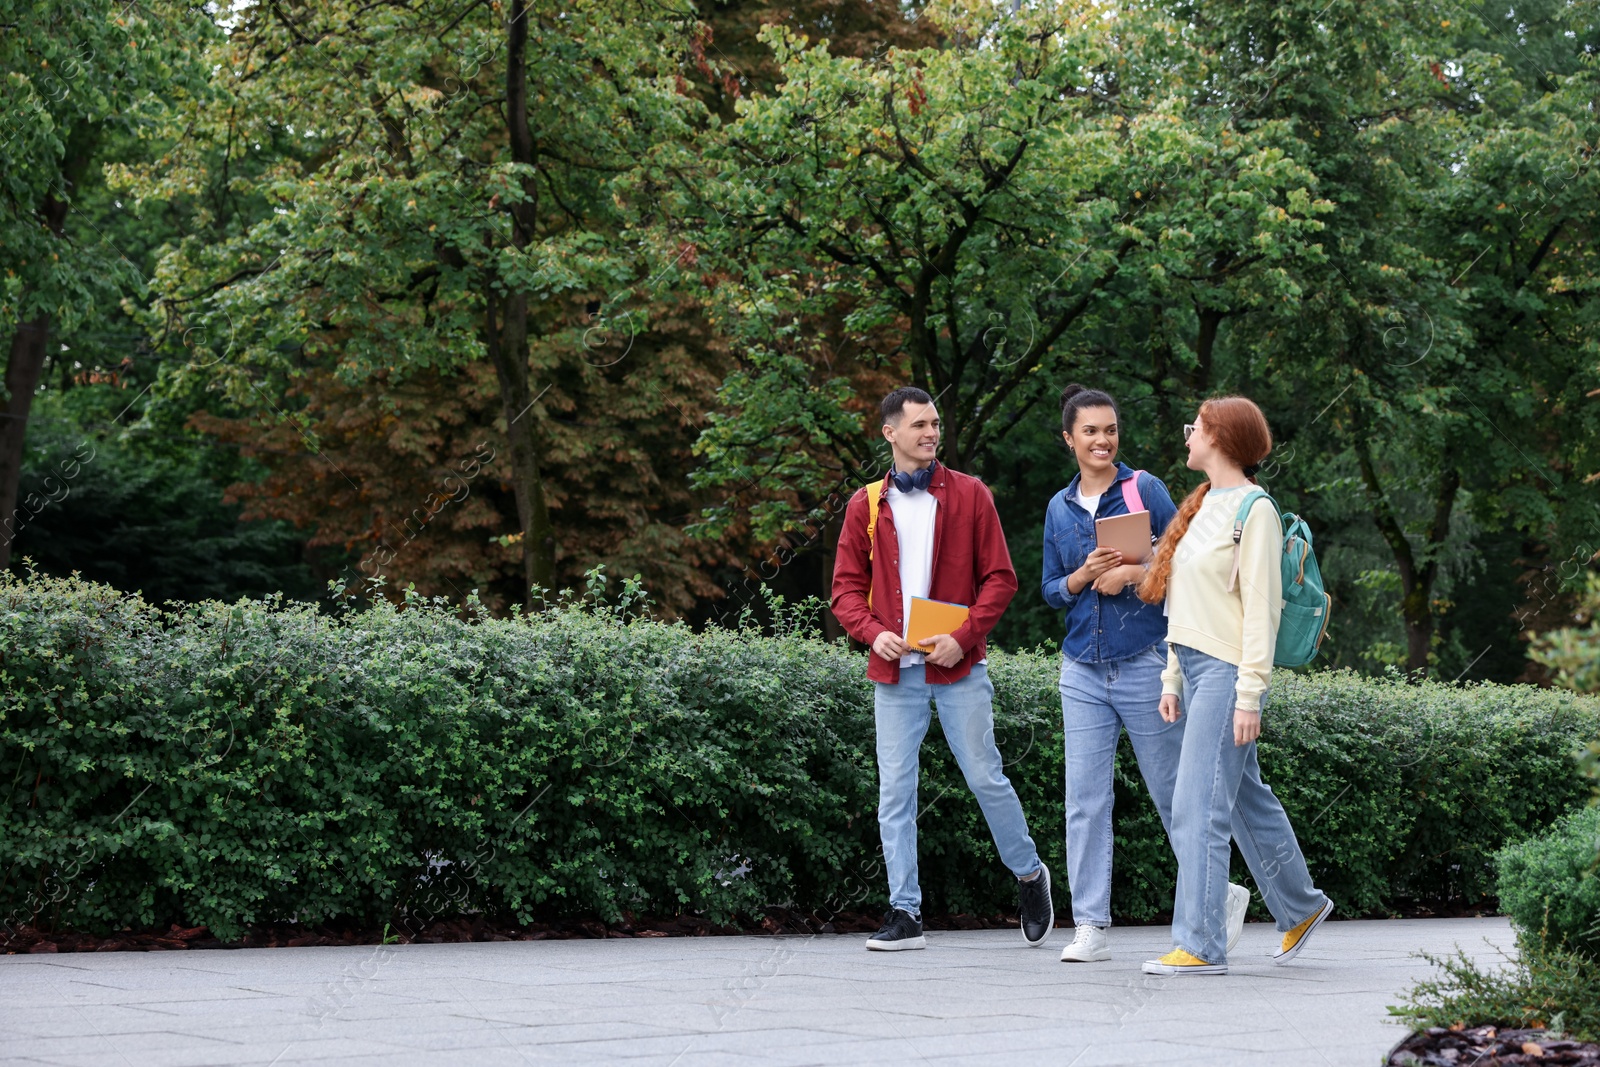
pixel 1130 493
pixel 1238 529
pixel 875 492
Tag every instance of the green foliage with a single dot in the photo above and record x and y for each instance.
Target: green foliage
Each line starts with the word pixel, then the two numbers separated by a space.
pixel 142 509
pixel 1544 986
pixel 961 209
pixel 1402 793
pixel 248 763
pixel 225 764
pixel 1573 652
pixel 75 74
pixel 386 194
pixel 1549 883
pixel 1589 763
pixel 1374 218
pixel 1549 886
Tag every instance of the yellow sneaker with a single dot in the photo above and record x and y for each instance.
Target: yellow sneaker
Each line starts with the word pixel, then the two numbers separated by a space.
pixel 1179 961
pixel 1296 939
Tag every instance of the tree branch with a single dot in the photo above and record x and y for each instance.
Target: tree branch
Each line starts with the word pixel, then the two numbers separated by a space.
pixel 1024 366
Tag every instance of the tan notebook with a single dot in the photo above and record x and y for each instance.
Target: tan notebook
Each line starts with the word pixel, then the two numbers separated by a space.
pixel 1128 534
pixel 929 618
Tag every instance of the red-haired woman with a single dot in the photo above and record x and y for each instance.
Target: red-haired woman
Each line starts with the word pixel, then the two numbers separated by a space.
pixel 1223 607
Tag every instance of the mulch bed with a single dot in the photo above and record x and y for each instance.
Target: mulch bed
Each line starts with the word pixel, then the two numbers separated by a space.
pixel 1486 1046
pixel 455 931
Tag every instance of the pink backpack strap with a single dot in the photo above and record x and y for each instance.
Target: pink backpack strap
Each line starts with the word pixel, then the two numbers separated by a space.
pixel 1130 493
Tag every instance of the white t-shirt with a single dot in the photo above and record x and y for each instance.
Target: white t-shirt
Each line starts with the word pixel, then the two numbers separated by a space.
pixel 1091 504
pixel 913 528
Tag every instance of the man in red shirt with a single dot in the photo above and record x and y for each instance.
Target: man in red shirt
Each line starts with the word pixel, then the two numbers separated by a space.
pixel 938 537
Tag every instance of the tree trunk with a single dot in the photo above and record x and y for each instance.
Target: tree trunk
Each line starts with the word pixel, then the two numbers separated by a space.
pixel 1205 344
pixel 508 351
pixel 1417 609
pixel 507 338
pixel 28 348
pixel 1416 580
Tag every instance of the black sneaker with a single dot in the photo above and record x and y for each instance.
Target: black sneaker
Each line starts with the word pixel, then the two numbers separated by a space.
pixel 1036 910
pixel 901 930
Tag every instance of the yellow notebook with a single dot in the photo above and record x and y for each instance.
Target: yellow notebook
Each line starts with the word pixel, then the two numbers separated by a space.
pixel 929 618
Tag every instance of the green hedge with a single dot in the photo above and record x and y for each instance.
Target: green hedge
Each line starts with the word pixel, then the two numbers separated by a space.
pixel 1549 884
pixel 227 764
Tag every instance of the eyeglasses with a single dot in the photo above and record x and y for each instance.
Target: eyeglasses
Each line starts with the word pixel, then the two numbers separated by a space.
pixel 1188 431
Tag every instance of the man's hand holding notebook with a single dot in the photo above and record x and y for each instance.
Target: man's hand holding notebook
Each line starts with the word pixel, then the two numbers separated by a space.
pixel 930 619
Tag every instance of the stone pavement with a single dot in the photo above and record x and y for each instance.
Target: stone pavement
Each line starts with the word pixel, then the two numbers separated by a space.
pixel 977 997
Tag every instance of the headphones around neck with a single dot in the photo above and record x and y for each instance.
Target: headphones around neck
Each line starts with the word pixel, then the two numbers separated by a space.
pixel 906 482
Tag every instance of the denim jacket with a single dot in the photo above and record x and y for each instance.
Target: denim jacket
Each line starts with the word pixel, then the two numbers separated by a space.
pixel 1101 628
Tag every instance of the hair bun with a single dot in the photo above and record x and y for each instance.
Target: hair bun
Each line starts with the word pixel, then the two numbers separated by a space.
pixel 1072 390
pixel 1250 469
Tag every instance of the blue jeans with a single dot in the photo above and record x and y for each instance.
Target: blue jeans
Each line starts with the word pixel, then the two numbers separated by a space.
pixel 966 715
pixel 1220 791
pixel 1097 701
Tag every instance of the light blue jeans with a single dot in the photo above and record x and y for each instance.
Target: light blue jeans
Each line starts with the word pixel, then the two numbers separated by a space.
pixel 1097 701
pixel 966 715
pixel 1219 791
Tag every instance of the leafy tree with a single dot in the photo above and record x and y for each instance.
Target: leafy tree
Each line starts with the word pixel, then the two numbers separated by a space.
pixel 406 484
pixel 1171 204
pixel 76 73
pixel 981 200
pixel 445 197
pixel 387 241
pixel 410 480
pixel 1453 336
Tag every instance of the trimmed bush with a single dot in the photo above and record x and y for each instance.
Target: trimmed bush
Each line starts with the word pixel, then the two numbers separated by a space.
pixel 229 764
pixel 1402 794
pixel 1549 883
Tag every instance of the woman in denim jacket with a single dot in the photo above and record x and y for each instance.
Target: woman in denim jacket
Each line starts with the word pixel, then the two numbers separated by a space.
pixel 1112 658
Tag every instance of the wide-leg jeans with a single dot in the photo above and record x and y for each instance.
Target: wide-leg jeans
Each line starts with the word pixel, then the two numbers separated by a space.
pixel 1097 701
pixel 1219 793
pixel 966 715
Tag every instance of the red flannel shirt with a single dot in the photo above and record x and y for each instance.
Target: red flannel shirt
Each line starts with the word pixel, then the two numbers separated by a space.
pixel 971 566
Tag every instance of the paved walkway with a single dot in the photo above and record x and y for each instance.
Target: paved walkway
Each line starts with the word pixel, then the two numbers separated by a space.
pixel 977 997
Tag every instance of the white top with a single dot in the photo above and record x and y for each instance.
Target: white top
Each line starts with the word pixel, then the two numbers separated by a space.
pixel 913 528
pixel 1238 626
pixel 1091 504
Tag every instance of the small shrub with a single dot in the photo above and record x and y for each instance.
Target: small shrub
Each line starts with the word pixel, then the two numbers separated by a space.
pixel 1550 883
pixel 1546 986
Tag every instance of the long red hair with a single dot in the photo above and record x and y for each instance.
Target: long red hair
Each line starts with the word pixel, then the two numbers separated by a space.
pixel 1240 430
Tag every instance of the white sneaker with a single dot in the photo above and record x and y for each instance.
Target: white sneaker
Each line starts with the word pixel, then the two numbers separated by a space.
pixel 1089 945
pixel 1238 904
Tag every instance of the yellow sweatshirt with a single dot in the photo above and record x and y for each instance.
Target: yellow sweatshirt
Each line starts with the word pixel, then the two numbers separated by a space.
pixel 1238 626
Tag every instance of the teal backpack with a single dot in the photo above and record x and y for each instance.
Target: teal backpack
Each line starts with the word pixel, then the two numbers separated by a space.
pixel 1306 605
